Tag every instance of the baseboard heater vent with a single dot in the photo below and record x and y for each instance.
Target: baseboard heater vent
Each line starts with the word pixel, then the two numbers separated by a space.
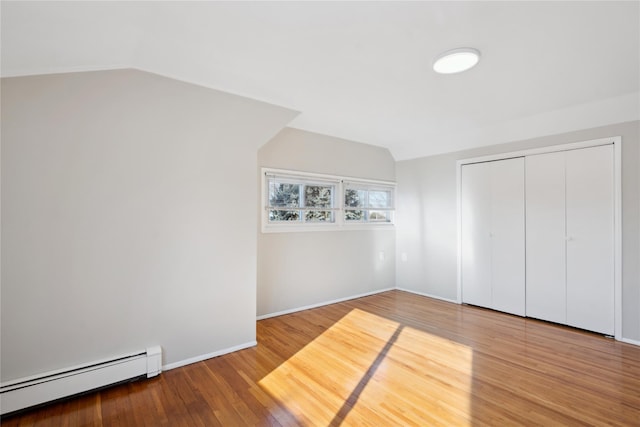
pixel 26 392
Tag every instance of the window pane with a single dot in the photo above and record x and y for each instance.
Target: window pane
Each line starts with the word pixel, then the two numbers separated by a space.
pixel 354 198
pixel 379 216
pixel 379 199
pixel 284 195
pixel 276 215
pixel 354 215
pixel 318 196
pixel 318 216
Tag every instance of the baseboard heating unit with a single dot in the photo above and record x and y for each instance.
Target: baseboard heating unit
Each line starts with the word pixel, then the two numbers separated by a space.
pixel 35 390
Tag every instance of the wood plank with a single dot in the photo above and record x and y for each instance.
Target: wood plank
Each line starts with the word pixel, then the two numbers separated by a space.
pixel 390 359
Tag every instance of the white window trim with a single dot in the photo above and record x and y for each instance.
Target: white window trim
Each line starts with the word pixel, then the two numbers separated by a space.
pixel 339 224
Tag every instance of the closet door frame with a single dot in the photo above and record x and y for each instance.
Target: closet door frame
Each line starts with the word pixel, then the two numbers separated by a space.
pixel 616 141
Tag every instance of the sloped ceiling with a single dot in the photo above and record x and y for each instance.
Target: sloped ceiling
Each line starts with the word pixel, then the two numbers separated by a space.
pixel 362 70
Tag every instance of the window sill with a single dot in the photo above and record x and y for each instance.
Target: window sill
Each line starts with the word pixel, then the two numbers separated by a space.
pixel 298 228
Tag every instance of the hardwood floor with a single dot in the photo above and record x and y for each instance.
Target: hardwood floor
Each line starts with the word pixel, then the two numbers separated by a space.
pixel 385 360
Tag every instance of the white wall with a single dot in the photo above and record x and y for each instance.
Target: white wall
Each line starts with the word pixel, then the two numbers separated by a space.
pixel 426 217
pixel 128 218
pixel 308 268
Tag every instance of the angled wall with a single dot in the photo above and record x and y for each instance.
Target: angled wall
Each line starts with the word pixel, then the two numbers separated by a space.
pixel 128 218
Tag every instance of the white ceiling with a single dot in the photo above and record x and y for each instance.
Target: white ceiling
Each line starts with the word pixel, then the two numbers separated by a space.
pixel 362 70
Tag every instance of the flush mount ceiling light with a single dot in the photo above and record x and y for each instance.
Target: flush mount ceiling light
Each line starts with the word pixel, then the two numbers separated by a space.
pixel 456 60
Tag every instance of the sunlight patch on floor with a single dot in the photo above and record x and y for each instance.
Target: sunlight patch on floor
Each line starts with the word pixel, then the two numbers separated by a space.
pixel 369 370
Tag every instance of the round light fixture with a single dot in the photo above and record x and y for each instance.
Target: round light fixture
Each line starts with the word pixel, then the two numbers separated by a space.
pixel 456 60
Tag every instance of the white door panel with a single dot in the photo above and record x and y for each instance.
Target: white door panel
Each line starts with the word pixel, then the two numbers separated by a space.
pixel 545 236
pixel 590 242
pixel 507 230
pixel 492 214
pixel 476 242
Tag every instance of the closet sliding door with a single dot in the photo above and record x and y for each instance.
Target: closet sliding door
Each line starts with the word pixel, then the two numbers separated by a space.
pixel 546 253
pixel 508 236
pixel 492 232
pixel 570 238
pixel 590 239
pixel 476 234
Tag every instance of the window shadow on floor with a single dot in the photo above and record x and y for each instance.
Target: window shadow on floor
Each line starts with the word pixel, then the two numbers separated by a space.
pixel 357 391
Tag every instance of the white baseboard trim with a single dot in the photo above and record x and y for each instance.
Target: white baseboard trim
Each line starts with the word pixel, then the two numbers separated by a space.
pixel 427 295
pixel 630 341
pixel 321 304
pixel 208 356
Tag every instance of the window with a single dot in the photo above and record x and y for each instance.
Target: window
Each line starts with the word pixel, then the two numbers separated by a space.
pixel 292 200
pixel 363 203
pixel 295 201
